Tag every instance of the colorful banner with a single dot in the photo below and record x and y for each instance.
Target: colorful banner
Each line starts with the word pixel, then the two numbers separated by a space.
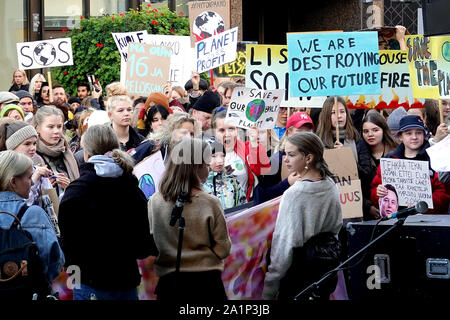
pixel 216 51
pixel 336 63
pixel 410 178
pixel 395 85
pixel 267 69
pixel 441 54
pixel 237 67
pixel 45 54
pixel 208 18
pixel 422 67
pixel 254 108
pixel 149 173
pixel 148 69
pixel 181 64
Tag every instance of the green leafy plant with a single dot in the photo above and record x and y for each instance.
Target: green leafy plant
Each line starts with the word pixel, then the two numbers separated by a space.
pixel 94 49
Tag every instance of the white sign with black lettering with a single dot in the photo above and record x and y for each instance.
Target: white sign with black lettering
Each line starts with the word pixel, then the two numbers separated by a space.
pixel 45 54
pixel 410 178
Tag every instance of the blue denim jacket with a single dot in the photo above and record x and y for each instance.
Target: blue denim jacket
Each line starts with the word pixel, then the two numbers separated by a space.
pixel 37 222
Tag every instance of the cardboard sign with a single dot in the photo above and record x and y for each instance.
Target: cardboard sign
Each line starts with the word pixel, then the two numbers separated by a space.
pixel 254 108
pixel 181 64
pixel 336 63
pixel 122 41
pixel 422 67
pixel 149 173
pixel 208 18
pixel 441 54
pixel 45 54
pixel 342 163
pixel 439 155
pixel 216 51
pixel 267 68
pixel 410 178
pixel 148 69
pixel 351 198
pixel 395 85
pixel 237 67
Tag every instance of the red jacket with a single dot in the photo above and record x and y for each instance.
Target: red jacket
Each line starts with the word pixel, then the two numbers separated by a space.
pixel 440 197
pixel 256 161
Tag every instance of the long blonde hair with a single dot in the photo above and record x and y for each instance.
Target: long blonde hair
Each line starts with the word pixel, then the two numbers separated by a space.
pixel 182 176
pixel 33 83
pixel 12 164
pixel 25 78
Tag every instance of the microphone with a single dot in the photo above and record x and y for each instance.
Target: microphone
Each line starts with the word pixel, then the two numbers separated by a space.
pixel 178 209
pixel 420 207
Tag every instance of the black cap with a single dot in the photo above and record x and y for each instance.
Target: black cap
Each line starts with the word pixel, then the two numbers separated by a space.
pixel 74 100
pixel 207 102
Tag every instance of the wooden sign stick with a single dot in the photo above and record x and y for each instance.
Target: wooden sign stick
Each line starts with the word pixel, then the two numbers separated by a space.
pixel 337 116
pixel 441 113
pixel 50 89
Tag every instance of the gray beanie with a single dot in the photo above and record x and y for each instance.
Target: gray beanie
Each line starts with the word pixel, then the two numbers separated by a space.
pixel 8 98
pixel 394 118
pixel 18 132
pixel 23 94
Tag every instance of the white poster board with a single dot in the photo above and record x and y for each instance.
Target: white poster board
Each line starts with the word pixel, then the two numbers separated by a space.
pixel 181 64
pixel 45 54
pixel 149 173
pixel 122 40
pixel 410 178
pixel 254 108
pixel 216 51
pixel 440 155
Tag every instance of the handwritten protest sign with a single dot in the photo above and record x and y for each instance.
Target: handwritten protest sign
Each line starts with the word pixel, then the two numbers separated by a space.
pixel 422 67
pixel 122 40
pixel 149 173
pixel 45 54
pixel 395 85
pixel 439 155
pixel 208 18
pixel 216 51
pixel 343 164
pixel 235 68
pixel 267 68
pixel 254 108
pixel 181 64
pixel 410 178
pixel 337 63
pixel 148 68
pixel 441 54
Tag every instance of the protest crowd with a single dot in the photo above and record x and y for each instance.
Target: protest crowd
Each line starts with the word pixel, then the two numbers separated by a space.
pixel 70 163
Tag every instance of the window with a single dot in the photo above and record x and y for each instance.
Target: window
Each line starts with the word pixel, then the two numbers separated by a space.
pixel 63 14
pixel 106 7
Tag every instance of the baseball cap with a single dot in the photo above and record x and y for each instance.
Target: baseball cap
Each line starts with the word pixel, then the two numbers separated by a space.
pixel 298 120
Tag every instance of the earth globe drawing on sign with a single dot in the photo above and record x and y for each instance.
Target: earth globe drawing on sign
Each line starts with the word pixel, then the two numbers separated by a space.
pixel 208 24
pixel 255 109
pixel 44 54
pixel 147 185
pixel 446 51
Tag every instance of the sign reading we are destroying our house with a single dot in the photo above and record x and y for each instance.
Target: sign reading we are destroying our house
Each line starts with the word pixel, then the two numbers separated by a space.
pixel 335 63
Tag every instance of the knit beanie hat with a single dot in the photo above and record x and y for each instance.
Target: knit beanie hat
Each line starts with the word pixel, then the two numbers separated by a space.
pixel 9 107
pixel 18 132
pixel 23 94
pixel 8 97
pixel 207 102
pixel 394 118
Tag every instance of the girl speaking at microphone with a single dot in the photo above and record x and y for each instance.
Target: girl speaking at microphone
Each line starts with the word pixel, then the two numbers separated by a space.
pixel 206 242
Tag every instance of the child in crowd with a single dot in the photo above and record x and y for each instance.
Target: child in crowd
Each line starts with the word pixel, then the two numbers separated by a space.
pixel 221 184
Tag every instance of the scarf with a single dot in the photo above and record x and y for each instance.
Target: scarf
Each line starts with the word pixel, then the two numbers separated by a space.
pixel 62 147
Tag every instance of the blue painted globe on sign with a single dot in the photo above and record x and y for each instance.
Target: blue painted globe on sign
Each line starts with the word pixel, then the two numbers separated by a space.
pixel 255 109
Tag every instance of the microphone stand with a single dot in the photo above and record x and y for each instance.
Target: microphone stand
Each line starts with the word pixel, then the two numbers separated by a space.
pixel 313 288
pixel 177 215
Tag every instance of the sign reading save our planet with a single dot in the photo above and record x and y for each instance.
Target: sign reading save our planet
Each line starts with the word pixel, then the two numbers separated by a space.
pixel 254 108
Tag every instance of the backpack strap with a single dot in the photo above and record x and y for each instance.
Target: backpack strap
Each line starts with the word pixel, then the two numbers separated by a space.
pixel 20 215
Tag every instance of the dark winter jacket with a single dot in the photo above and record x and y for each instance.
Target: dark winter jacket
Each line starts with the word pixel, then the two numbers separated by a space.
pixel 367 170
pixel 105 229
